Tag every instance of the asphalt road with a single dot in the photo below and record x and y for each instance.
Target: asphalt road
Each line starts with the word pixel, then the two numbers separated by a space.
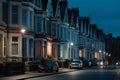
pixel 94 73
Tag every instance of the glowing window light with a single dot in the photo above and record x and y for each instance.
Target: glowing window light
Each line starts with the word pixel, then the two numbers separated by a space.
pixel 49 49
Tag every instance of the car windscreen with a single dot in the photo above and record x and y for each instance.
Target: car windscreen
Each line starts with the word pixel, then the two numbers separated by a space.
pixel 75 61
pixel 49 63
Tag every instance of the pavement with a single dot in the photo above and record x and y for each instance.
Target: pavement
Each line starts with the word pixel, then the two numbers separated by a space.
pixel 33 74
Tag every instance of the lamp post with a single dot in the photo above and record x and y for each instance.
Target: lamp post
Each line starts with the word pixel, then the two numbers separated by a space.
pixel 23 32
pixel 100 55
pixel 70 46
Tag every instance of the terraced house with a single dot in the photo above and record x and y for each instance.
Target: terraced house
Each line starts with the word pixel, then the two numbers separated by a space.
pixel 50 28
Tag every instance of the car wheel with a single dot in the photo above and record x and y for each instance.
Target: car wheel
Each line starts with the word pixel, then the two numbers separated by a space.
pixel 46 70
pixel 70 67
pixel 57 70
pixel 39 71
pixel 51 69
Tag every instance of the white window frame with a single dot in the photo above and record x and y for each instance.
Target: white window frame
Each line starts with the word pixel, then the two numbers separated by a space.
pixel 15 42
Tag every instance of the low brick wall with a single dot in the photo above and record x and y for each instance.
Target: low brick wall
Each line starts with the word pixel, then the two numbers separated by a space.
pixel 10 68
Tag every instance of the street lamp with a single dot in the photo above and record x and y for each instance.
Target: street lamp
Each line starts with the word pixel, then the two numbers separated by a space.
pixel 23 32
pixel 104 53
pixel 109 55
pixel 70 45
pixel 100 51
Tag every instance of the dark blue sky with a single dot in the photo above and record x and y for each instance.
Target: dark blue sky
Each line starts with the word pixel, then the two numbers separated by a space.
pixel 105 13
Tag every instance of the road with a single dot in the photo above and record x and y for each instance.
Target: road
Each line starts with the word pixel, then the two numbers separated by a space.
pixel 109 73
pixel 94 74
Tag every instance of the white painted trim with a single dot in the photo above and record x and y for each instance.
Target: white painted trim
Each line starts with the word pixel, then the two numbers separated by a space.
pixel 19 45
pixel 3 35
pixel 41 39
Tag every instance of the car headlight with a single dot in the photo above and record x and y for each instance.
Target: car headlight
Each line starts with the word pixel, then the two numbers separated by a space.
pixel 101 63
pixel 117 63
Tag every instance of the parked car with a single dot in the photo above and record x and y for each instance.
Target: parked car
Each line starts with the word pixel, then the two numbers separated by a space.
pixel 94 62
pixel 76 63
pixel 49 65
pixel 86 62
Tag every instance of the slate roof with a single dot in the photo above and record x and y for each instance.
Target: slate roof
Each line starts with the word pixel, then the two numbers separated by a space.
pixel 54 5
pixel 73 14
pixel 44 4
pixel 69 15
pixel 85 18
pixel 63 6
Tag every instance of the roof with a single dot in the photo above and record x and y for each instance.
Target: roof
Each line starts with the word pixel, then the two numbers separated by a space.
pixel 54 5
pixel 73 14
pixel 84 18
pixel 44 4
pixel 63 7
pixel 69 15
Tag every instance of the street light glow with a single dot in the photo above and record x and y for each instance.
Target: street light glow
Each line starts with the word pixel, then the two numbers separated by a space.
pixel 109 55
pixel 100 51
pixel 23 31
pixel 71 43
pixel 104 52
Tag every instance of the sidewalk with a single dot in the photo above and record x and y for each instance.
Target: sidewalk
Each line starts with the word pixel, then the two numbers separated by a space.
pixel 28 75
